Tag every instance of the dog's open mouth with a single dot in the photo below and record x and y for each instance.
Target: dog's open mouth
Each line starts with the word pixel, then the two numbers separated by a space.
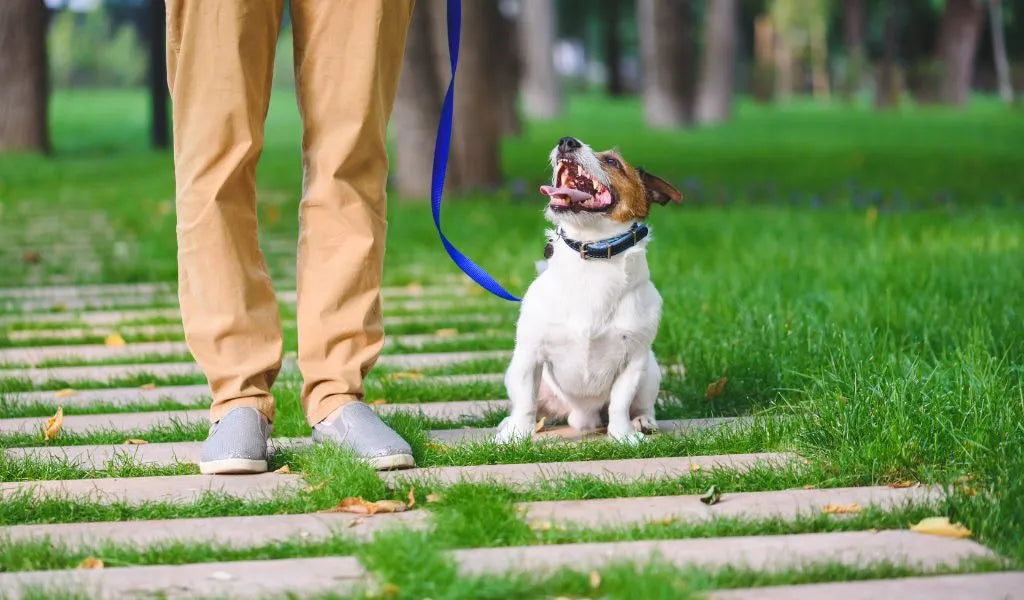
pixel 577 190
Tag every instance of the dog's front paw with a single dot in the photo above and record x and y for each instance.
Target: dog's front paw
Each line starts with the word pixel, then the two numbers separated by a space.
pixel 625 434
pixel 645 424
pixel 510 430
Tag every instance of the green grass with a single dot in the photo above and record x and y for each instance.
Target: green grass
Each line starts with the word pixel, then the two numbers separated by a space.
pixel 860 273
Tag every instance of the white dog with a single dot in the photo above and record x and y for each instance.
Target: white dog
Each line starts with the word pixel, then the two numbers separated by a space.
pixel 583 341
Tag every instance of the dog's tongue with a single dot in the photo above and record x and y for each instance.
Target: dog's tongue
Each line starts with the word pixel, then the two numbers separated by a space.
pixel 568 193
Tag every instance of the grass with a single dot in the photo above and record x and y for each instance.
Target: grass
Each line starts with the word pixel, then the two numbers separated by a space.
pixel 860 273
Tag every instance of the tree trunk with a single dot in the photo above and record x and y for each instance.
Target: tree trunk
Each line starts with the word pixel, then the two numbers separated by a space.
pixel 887 94
pixel 418 107
pixel 714 101
pixel 475 155
pixel 666 45
pixel 958 43
pixel 613 47
pixel 24 76
pixel 995 11
pixel 509 67
pixel 542 90
pixel 854 21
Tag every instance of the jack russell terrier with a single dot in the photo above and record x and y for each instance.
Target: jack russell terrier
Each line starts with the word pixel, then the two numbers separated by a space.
pixel 583 341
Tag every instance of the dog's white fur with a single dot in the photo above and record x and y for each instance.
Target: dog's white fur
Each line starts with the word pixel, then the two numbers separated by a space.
pixel 583 340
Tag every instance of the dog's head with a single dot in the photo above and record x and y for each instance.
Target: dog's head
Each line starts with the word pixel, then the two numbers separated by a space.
pixel 589 186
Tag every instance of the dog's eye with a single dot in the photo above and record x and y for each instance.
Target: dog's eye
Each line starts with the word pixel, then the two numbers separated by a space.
pixel 611 161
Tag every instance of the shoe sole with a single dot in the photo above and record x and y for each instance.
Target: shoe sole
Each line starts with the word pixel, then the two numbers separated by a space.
pixel 393 462
pixel 226 466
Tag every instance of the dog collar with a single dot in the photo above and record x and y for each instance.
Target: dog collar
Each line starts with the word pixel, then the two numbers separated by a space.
pixel 607 248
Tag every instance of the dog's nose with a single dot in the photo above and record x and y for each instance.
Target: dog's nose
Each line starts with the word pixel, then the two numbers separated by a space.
pixel 569 144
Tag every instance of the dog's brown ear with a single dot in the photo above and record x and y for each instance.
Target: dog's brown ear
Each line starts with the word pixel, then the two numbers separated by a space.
pixel 659 190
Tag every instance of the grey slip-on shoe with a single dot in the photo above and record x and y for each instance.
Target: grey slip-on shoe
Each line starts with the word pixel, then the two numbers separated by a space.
pixel 355 426
pixel 236 444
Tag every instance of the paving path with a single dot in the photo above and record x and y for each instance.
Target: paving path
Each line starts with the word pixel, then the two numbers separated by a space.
pixel 41 353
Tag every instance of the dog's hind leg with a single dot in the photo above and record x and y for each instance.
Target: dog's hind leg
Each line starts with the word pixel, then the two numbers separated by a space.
pixel 642 410
pixel 623 394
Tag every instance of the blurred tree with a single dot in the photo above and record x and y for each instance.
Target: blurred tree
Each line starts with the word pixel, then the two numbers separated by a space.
pixel 612 14
pixel 504 52
pixel 417 107
pixel 854 24
pixel 542 89
pixel 800 28
pixel 24 78
pixel 957 46
pixel 889 85
pixel 718 74
pixel 666 45
pixel 995 11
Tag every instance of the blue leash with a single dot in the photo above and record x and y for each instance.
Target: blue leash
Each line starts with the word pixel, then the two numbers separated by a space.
pixel 441 148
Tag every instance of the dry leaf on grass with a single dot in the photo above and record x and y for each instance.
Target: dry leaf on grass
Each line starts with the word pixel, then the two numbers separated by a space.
pixel 114 340
pixel 313 488
pixel 147 386
pixel 433 498
pixel 716 388
pixel 379 401
pixel 540 425
pixel 31 257
pixel 594 579
pixel 284 470
pixel 64 393
pixel 403 375
pixel 90 562
pixel 540 525
pixel 365 507
pixel 941 526
pixel 903 484
pixel 841 509
pixel 694 467
pixel 53 424
pixel 414 289
pixel 412 498
pixel 135 442
pixel 447 332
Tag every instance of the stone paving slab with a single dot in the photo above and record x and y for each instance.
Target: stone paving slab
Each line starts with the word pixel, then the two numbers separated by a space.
pixel 565 433
pixel 622 470
pixel 980 586
pixel 40 376
pixel 31 356
pixel 171 488
pixel 65 335
pixel 94 318
pixel 257 530
pixel 169 453
pixel 132 396
pixel 763 553
pixel 786 504
pixel 237 531
pixel 240 579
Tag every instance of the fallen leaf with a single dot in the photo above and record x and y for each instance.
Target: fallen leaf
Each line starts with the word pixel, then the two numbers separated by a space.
pixel 594 579
pixel 114 340
pixel 31 257
pixel 147 386
pixel 272 214
pixel 53 424
pixel 872 215
pixel 540 425
pixel 389 590
pixel 313 488
pixel 712 496
pixel 433 498
pixel 540 525
pixel 412 498
pixel 90 562
pixel 970 491
pixel 285 469
pixel 414 289
pixel 941 526
pixel 716 388
pixel 446 332
pixel 404 375
pixel 903 484
pixel 841 509
pixel 60 307
pixel 364 507
pixel 694 467
pixel 64 393
pixel 810 487
pixel 135 442
pixel 356 521
pixel 669 520
pixel 379 401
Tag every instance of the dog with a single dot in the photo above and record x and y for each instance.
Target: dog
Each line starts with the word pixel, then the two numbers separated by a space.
pixel 586 324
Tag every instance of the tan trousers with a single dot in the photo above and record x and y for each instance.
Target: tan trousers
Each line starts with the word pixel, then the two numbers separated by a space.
pixel 220 56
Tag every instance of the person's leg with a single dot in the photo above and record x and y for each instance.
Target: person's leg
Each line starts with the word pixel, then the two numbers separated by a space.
pixel 220 59
pixel 348 55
